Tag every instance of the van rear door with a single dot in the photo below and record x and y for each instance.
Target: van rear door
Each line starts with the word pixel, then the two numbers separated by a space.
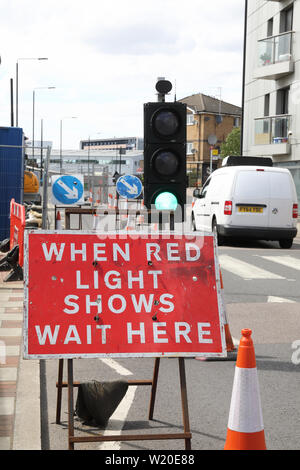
pixel 251 198
pixel 282 197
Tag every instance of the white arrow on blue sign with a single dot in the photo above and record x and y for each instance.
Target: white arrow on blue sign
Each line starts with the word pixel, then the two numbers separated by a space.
pixel 67 189
pixel 129 186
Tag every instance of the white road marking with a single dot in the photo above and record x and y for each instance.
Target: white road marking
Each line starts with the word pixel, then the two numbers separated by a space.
pixel 272 298
pixel 118 416
pixel 245 270
pixel 116 366
pixel 121 412
pixel 288 261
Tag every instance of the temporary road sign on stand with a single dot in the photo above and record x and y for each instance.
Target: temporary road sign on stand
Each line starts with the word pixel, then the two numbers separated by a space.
pixel 67 189
pixel 129 186
pixel 121 296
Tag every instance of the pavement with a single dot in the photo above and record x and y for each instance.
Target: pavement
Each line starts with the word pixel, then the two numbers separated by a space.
pixel 20 417
pixel 19 379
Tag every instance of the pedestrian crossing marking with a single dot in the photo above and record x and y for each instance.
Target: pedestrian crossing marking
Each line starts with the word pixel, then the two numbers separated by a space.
pixel 288 261
pixel 245 270
pixel 272 298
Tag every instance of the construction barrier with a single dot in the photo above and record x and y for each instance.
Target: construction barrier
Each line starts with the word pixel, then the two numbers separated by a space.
pixel 245 429
pixel 17 227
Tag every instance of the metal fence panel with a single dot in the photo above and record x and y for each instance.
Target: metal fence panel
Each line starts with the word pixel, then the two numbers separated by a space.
pixel 11 174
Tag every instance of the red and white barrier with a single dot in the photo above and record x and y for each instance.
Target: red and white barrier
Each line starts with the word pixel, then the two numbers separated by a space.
pixel 17 227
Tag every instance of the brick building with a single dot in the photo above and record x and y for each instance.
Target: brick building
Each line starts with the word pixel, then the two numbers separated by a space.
pixel 209 121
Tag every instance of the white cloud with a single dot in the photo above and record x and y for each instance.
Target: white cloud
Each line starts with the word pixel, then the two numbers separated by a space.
pixel 104 58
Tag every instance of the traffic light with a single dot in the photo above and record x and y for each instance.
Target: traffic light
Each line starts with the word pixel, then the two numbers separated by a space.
pixel 165 155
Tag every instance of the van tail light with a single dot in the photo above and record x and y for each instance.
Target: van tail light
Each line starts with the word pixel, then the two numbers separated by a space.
pixel 295 211
pixel 228 208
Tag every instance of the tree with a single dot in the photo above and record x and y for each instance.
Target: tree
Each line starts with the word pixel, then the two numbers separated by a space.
pixel 232 144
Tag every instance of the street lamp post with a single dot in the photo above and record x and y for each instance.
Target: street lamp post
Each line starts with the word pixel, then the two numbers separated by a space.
pixel 244 75
pixel 60 145
pixel 33 110
pixel 17 82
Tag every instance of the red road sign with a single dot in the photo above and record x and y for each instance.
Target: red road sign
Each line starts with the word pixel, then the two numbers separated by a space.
pixel 88 296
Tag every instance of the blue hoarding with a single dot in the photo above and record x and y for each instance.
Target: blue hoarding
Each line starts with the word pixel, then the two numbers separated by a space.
pixel 11 174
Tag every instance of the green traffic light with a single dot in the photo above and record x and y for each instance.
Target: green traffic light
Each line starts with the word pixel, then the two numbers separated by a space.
pixel 166 201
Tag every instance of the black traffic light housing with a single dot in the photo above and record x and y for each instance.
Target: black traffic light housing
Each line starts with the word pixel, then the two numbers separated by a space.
pixel 164 151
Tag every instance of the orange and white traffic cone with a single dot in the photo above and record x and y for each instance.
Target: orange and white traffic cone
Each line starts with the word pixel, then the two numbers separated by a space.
pixel 58 225
pixel 116 202
pixel 90 196
pixel 125 207
pixel 110 201
pixel 130 223
pixel 245 429
pixel 95 221
pixel 98 200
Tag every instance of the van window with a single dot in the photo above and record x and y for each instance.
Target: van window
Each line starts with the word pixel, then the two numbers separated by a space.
pixel 252 184
pixel 218 185
pixel 204 189
pixel 280 186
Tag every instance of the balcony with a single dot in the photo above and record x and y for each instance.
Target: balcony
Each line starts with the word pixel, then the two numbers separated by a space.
pixel 275 57
pixel 271 135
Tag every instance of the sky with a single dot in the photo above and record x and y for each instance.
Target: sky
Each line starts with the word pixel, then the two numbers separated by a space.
pixel 104 58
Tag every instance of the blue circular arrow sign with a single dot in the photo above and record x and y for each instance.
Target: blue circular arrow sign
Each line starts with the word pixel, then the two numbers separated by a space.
pixel 67 189
pixel 129 186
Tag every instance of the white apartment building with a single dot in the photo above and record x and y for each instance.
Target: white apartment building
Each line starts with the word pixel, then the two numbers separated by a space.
pixel 272 83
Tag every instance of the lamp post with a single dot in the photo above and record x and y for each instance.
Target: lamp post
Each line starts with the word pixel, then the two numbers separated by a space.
pixel 17 82
pixel 33 110
pixel 244 74
pixel 60 145
pixel 89 160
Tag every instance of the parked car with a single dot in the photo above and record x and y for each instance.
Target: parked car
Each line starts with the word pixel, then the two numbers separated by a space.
pixel 248 198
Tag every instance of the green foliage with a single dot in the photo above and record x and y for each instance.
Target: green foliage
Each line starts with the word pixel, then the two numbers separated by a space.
pixel 232 144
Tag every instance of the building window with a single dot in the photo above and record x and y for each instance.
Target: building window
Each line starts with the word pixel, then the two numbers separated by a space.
pixel 190 119
pixel 286 20
pixel 236 122
pixel 270 28
pixel 267 105
pixel 189 148
pixel 282 101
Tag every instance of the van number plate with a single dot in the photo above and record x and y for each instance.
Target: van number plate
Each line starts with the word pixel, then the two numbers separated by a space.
pixel 256 210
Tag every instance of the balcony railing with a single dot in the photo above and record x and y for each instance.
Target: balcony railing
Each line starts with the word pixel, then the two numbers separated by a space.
pixel 275 49
pixel 272 130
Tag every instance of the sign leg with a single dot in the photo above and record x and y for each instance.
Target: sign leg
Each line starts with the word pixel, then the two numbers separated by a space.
pixel 59 390
pixel 154 387
pixel 70 403
pixel 184 402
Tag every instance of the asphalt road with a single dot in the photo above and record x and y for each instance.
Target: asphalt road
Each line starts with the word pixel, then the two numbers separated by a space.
pixel 264 297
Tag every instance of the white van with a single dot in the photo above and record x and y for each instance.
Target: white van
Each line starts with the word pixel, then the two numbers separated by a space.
pixel 248 201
